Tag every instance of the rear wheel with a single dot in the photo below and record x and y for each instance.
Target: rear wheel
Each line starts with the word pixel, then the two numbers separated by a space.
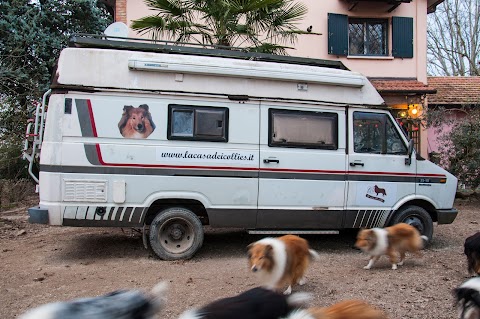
pixel 176 233
pixel 417 217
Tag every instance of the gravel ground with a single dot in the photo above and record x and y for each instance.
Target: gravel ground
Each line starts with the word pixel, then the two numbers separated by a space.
pixel 42 264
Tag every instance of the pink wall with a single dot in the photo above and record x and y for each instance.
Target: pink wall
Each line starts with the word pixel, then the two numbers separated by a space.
pixel 315 46
pixel 432 134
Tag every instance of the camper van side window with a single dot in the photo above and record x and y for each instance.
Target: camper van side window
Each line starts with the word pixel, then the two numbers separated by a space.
pixel 369 132
pixel 197 123
pixel 303 129
pixel 375 133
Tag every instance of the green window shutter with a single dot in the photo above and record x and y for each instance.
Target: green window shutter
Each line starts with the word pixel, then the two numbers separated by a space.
pixel 337 34
pixel 402 37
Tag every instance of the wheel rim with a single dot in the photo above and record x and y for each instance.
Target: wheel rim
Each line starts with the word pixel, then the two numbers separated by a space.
pixel 176 235
pixel 416 222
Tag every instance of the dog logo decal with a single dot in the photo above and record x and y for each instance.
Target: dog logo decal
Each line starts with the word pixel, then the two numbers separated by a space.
pixel 379 190
pixel 375 191
pixel 136 122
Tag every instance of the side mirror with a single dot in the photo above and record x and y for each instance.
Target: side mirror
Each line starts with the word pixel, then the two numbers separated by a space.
pixel 408 160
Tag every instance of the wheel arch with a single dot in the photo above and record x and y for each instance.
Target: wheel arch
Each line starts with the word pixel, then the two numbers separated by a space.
pixel 420 202
pixel 196 206
pixel 158 201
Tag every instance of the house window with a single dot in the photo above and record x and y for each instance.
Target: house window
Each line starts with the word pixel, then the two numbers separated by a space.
pixel 303 129
pixel 197 123
pixel 367 37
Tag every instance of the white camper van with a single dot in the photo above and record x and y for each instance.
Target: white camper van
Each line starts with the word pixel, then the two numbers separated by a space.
pixel 168 139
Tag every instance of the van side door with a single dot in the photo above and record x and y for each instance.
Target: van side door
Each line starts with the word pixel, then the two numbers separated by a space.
pixel 302 167
pixel 378 175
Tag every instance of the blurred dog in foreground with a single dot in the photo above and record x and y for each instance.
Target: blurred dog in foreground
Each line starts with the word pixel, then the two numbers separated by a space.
pixel 348 309
pixel 467 297
pixel 122 304
pixel 472 251
pixel 256 303
pixel 280 261
pixel 390 241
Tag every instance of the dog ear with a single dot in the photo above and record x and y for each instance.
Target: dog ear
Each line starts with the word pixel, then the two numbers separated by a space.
pixel 124 118
pixel 127 108
pixel 144 106
pixel 361 231
pixel 268 251
pixel 149 115
pixel 372 236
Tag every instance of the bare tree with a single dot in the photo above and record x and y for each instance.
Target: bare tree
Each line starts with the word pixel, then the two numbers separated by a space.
pixel 454 39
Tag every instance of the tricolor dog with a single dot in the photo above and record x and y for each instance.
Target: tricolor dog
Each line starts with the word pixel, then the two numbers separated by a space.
pixel 467 297
pixel 122 304
pixel 472 251
pixel 256 303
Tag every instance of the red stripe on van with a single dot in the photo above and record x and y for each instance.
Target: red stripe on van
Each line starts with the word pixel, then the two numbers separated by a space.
pixel 92 121
pixel 228 168
pixel 233 168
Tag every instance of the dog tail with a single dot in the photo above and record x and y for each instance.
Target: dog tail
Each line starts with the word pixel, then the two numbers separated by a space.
pixel 314 255
pixel 424 241
pixel 299 299
pixel 191 314
pixel 354 309
pixel 467 296
pixel 158 295
pixel 344 309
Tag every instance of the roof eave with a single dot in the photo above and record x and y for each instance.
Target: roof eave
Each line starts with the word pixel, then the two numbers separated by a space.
pixel 409 91
pixel 432 5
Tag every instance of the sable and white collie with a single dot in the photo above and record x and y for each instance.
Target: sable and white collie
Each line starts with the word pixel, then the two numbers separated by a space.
pixel 472 251
pixel 280 261
pixel 256 303
pixel 347 309
pixel 467 297
pixel 136 122
pixel 122 304
pixel 390 241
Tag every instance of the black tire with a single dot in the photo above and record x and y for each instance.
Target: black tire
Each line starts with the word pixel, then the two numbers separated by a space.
pixel 417 217
pixel 176 233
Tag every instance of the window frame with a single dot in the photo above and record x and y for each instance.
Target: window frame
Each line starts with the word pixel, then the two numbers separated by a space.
pixel 193 108
pixel 366 21
pixel 333 115
pixel 383 118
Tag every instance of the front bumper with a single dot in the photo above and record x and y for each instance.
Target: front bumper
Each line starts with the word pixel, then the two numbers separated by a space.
pixel 446 216
pixel 38 215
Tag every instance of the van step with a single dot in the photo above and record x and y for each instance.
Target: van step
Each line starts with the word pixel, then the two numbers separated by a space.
pixel 296 232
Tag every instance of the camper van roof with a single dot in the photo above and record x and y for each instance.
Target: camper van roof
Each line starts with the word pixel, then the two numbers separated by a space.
pixel 145 45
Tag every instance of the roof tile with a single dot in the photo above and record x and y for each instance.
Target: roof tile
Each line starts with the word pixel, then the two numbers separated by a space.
pixel 454 90
pixel 398 85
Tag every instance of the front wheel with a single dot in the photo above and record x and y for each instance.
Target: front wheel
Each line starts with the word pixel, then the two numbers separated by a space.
pixel 417 217
pixel 176 233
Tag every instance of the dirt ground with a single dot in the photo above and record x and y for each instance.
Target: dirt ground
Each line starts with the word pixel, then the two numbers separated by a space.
pixel 42 264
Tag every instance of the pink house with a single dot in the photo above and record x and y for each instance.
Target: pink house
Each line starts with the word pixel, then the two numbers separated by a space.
pixel 384 39
pixel 453 93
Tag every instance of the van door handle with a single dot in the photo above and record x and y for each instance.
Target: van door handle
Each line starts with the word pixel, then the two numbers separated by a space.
pixel 356 163
pixel 268 160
